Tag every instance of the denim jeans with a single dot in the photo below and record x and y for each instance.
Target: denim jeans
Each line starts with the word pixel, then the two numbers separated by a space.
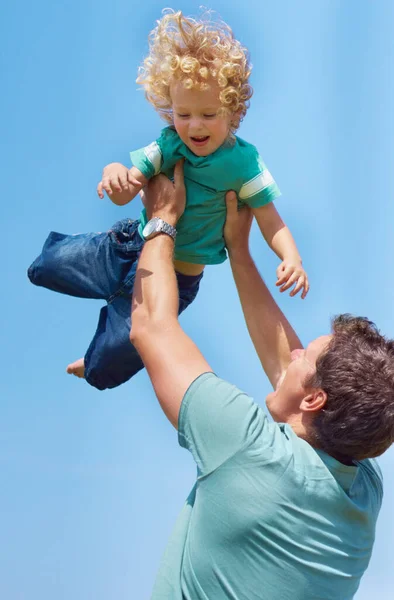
pixel 103 266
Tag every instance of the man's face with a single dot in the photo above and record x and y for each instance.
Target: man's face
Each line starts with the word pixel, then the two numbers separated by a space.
pixel 196 118
pixel 285 401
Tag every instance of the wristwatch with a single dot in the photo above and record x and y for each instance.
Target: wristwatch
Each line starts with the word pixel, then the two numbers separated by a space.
pixel 156 226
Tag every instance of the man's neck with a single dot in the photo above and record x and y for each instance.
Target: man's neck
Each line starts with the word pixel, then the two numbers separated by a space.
pixel 301 430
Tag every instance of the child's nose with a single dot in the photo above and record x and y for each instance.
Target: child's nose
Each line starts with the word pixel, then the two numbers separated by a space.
pixel 195 124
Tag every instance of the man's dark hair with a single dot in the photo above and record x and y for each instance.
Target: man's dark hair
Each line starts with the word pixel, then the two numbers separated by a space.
pixel 357 374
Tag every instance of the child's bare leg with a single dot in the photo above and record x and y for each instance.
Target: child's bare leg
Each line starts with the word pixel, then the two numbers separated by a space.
pixel 77 368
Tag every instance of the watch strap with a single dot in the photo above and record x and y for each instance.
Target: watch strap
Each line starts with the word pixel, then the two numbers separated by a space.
pixel 168 229
pixel 157 226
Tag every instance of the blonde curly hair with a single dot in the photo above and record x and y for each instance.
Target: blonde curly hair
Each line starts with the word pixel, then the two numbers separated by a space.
pixel 191 51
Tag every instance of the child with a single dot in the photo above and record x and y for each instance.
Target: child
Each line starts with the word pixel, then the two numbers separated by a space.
pixel 196 76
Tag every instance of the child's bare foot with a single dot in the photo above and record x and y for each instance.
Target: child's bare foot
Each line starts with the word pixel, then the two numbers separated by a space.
pixel 77 368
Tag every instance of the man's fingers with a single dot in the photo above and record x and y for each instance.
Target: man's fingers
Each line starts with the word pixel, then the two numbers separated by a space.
pixel 179 180
pixel 179 188
pixel 142 196
pixel 231 203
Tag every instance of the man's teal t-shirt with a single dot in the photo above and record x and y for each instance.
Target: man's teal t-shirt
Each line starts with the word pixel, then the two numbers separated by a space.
pixel 236 165
pixel 269 517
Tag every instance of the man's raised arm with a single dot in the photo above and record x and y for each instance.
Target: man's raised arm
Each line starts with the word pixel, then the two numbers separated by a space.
pixel 172 360
pixel 271 333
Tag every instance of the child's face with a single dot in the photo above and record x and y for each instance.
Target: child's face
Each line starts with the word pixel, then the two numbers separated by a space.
pixel 196 120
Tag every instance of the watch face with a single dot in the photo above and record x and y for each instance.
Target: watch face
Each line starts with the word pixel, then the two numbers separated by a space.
pixel 150 227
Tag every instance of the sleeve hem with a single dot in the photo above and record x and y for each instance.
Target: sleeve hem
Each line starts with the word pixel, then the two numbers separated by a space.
pixel 187 398
pixel 146 170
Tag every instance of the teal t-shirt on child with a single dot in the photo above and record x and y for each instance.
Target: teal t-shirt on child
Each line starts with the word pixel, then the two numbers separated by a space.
pixel 236 165
pixel 269 518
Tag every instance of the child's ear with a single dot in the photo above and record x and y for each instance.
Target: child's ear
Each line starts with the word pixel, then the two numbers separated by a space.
pixel 235 118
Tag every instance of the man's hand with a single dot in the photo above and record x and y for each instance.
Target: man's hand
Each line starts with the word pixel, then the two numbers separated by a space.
pixel 117 178
pixel 237 226
pixel 165 199
pixel 291 273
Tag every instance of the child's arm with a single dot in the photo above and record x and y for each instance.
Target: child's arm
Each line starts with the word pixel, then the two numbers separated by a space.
pixel 120 183
pixel 290 272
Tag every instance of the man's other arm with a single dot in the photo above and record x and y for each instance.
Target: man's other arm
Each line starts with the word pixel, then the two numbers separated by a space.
pixel 271 333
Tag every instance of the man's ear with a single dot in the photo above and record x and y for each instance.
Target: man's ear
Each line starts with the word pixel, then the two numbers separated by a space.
pixel 314 401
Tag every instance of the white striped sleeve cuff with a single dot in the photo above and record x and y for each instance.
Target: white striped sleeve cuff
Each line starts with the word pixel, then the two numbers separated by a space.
pixel 154 155
pixel 257 184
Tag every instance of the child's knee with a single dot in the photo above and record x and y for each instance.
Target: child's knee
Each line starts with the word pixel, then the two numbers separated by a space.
pixel 36 273
pixel 44 265
pixel 108 366
pixel 31 272
pixel 43 272
pixel 111 376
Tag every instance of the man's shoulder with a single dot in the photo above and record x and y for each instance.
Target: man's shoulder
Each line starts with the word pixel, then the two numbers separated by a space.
pixel 217 407
pixel 373 474
pixel 209 386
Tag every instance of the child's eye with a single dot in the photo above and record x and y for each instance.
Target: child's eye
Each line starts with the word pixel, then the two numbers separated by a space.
pixel 210 116
pixel 182 116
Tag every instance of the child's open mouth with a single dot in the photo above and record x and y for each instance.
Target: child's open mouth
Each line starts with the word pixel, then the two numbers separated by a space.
pixel 200 140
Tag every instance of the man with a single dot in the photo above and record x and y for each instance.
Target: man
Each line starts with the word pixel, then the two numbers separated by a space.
pixel 283 510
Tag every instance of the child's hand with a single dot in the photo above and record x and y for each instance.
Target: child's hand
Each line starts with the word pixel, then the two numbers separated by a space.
pixel 116 178
pixel 289 273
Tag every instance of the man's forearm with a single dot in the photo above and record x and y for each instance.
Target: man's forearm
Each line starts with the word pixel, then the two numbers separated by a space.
pixel 155 298
pixel 271 333
pixel 172 360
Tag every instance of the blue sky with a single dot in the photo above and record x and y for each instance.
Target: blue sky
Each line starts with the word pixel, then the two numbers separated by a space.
pixel 92 482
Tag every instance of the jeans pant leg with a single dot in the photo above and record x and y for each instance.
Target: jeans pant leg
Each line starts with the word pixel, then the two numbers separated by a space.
pixel 87 265
pixel 111 358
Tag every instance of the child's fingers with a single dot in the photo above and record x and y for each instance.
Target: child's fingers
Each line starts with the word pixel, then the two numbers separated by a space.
pixel 100 189
pixel 284 276
pixel 306 288
pixel 299 285
pixel 124 184
pixel 106 184
pixel 115 184
pixel 131 179
pixel 280 270
pixel 291 281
